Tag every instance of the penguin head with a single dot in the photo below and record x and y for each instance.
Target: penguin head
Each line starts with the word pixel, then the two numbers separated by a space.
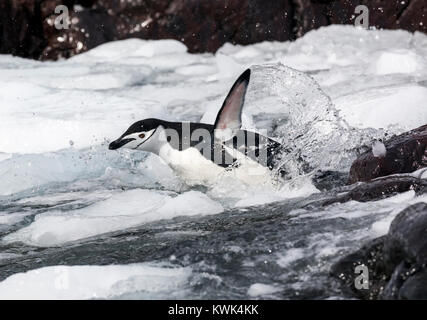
pixel 140 136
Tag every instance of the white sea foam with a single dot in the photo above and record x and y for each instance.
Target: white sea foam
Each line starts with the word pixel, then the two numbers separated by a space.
pixel 261 289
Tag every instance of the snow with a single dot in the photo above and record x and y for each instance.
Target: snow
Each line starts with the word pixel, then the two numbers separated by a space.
pixel 94 282
pixel 136 48
pixel 403 106
pixel 378 149
pixel 398 61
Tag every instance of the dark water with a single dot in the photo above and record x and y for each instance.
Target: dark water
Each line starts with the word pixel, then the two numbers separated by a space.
pixel 227 252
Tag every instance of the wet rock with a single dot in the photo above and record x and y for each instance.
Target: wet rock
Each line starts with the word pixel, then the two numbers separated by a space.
pixel 397 262
pixel 407 238
pixel 381 188
pixel 88 29
pixel 371 256
pixel 329 180
pixel 21 31
pixel 203 26
pixel 27 28
pixel 383 14
pixel 405 153
pixel 415 288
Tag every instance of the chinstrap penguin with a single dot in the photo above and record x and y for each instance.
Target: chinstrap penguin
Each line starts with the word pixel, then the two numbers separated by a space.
pixel 222 143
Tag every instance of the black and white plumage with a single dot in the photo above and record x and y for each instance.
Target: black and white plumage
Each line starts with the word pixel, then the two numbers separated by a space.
pixel 219 143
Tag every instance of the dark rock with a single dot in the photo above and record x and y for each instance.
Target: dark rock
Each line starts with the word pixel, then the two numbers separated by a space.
pixel 397 262
pixel 26 26
pixel 386 187
pixel 21 31
pixel 89 30
pixel 370 255
pixel 383 14
pixel 201 25
pixel 413 15
pixel 405 153
pixel 407 238
pixel 329 180
pixel 397 279
pixel 381 188
pixel 415 288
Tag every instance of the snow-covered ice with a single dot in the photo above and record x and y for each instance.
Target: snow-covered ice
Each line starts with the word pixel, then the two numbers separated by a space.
pixel 96 282
pixel 325 94
pixel 122 210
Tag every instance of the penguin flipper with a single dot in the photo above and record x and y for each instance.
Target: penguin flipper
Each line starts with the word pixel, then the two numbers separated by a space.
pixel 230 114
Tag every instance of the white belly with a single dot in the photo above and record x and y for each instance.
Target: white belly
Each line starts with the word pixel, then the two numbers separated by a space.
pixel 194 169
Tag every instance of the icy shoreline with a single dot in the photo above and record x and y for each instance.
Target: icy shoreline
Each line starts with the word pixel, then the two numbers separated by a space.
pixel 59 183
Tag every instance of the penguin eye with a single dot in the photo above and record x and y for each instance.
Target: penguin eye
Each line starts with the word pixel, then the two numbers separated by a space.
pixel 142 136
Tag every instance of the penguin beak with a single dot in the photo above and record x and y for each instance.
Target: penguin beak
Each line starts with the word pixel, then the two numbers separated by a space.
pixel 119 143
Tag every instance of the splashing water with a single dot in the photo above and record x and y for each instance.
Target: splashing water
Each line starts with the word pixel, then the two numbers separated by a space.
pixel 305 120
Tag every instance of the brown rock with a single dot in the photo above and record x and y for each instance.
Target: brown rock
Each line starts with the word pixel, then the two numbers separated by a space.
pixel 21 28
pixel 383 14
pixel 26 27
pixel 201 26
pixel 381 188
pixel 405 153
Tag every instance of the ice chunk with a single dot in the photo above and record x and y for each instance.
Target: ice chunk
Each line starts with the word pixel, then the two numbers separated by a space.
pixel 380 108
pixel 133 47
pixel 228 67
pixel 378 149
pixel 151 48
pixel 96 282
pixel 5 156
pixel 22 90
pixel 196 70
pixel 47 122
pixel 338 43
pixel 397 61
pixel 21 172
pixel 189 203
pixel 104 80
pixel 123 210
